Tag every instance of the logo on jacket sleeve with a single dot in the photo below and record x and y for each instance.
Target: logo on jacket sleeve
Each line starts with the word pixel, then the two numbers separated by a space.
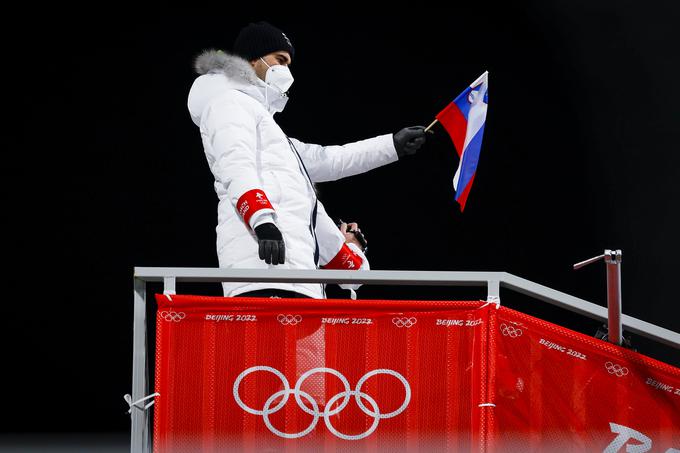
pixel 345 259
pixel 243 208
pixel 251 202
pixel 347 262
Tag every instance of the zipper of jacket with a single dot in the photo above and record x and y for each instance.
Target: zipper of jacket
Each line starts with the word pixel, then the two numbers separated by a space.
pixel 312 224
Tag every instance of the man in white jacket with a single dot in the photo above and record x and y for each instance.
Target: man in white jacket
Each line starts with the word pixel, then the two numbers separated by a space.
pixel 268 210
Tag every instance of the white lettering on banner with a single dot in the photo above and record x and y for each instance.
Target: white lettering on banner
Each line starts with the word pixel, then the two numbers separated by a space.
pixel 551 345
pixel 327 412
pixel 459 322
pixel 218 318
pixel 661 386
pixel 449 322
pixel 578 355
pixel 626 434
pixel 334 321
pixel 221 317
pixel 560 348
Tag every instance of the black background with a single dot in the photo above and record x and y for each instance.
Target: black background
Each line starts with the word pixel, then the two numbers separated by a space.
pixel 580 154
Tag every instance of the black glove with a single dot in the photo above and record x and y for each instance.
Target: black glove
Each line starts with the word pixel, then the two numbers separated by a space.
pixel 408 140
pixel 272 248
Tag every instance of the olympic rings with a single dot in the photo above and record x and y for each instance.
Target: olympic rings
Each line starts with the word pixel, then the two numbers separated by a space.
pixel 173 315
pixel 344 380
pixel 404 322
pixel 407 397
pixel 277 373
pixel 289 320
pixel 615 368
pixel 510 331
pixel 358 396
pixel 267 410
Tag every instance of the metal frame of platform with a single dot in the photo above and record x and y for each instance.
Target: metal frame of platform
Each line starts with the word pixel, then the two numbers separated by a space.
pixel 494 281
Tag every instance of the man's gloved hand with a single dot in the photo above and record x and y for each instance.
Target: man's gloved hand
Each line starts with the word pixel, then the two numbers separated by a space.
pixel 272 248
pixel 408 140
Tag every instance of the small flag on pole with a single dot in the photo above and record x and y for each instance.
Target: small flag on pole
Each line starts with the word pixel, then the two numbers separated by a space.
pixel 464 120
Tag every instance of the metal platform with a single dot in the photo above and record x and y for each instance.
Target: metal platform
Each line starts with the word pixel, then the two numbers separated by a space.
pixel 493 281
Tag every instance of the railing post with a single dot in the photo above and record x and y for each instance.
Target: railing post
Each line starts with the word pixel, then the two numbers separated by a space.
pixel 493 291
pixel 139 441
pixel 613 260
pixel 169 285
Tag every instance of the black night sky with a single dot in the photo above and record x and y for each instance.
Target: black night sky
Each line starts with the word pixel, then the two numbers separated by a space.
pixel 580 154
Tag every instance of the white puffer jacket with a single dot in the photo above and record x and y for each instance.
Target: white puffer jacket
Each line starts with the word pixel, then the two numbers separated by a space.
pixel 252 160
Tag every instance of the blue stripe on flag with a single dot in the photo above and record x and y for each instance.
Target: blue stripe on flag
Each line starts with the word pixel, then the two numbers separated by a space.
pixel 462 102
pixel 470 160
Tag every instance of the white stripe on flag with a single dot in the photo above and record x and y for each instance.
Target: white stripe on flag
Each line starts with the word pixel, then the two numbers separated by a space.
pixel 482 78
pixel 457 176
pixel 476 119
pixel 476 116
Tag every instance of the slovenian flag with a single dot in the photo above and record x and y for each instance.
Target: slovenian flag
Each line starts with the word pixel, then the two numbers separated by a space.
pixel 464 120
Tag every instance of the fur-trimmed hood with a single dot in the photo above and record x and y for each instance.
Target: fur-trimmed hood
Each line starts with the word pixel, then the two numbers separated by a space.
pixel 220 72
pixel 217 61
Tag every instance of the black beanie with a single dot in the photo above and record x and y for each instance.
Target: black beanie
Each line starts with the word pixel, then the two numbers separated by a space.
pixel 259 39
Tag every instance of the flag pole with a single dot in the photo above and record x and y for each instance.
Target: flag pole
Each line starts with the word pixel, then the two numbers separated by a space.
pixel 431 124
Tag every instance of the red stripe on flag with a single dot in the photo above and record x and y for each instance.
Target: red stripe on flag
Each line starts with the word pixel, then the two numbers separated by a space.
pixel 463 196
pixel 455 124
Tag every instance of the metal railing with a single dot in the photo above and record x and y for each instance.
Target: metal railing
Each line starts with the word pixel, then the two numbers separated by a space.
pixel 140 436
pixel 614 306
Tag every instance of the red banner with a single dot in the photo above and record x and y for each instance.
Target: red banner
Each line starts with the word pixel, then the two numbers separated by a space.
pixel 244 374
pixel 559 390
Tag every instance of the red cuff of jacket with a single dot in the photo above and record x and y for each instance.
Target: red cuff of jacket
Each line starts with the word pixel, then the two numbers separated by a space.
pixel 251 202
pixel 345 259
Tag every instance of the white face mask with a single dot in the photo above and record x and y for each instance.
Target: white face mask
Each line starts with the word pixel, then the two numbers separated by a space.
pixel 278 76
pixel 276 101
